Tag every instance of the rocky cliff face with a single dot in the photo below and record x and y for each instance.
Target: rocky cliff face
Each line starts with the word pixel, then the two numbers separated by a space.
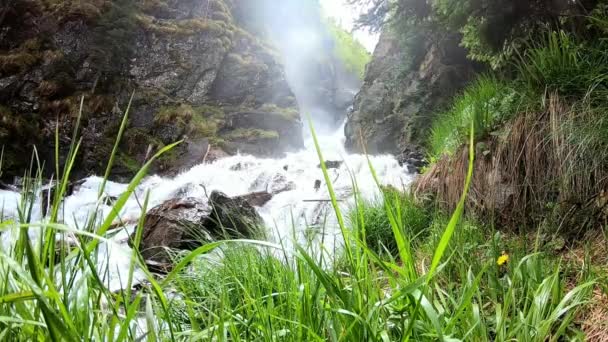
pixel 195 72
pixel 403 90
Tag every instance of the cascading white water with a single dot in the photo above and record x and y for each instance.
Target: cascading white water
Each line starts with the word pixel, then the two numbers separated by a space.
pixel 299 211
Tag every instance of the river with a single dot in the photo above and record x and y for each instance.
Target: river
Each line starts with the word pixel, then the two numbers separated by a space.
pixel 300 212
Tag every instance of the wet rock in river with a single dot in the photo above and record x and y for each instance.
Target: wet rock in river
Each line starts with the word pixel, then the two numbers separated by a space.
pixel 188 223
pixel 317 184
pixel 413 159
pixel 232 216
pixel 257 199
pixel 332 164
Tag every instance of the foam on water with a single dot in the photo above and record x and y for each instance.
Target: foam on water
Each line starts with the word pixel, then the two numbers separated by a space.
pixel 292 213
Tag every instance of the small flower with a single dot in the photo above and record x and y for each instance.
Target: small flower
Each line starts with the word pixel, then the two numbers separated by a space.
pixel 503 259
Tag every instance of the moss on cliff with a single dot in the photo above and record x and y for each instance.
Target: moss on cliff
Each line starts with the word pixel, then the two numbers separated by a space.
pixel 14 125
pixel 90 44
pixel 199 121
pixel 186 27
pixel 88 10
pixel 207 121
pixel 289 113
pixel 155 7
pixel 130 164
pixel 21 58
pixel 179 115
pixel 137 141
pixel 251 134
pixel 352 53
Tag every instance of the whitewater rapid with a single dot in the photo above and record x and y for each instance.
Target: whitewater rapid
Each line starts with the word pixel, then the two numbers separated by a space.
pixel 300 212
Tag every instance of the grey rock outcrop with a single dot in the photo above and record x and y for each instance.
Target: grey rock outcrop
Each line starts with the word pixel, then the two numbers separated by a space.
pixel 396 105
pixel 193 67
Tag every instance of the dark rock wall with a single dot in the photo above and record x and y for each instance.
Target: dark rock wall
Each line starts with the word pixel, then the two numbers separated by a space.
pixel 191 65
pixel 403 90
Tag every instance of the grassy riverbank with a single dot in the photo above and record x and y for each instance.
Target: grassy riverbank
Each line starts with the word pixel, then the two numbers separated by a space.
pixel 424 276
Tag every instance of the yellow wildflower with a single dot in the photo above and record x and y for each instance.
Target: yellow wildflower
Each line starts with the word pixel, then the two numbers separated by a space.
pixel 503 259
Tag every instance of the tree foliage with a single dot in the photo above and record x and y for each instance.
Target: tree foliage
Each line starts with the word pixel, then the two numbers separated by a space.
pixel 350 51
pixel 491 30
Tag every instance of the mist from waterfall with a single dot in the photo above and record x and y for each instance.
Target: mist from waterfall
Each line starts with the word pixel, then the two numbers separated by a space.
pixel 317 77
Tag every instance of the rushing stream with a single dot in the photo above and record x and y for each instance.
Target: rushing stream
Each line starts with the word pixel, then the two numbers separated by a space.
pixel 299 210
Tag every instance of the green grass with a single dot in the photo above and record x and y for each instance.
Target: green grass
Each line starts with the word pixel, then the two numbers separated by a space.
pixel 487 103
pixel 49 294
pixel 446 286
pixel 251 295
pixel 378 231
pixel 566 65
pixel 574 67
pixel 555 95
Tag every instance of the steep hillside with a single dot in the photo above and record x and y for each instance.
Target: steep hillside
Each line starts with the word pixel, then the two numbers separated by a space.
pixel 528 79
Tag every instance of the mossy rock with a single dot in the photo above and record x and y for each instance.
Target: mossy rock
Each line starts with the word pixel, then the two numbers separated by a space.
pixel 176 115
pixel 251 135
pixel 59 86
pixel 157 8
pixel 137 141
pixel 15 125
pixel 219 6
pixel 17 134
pixel 289 113
pixel 173 122
pixel 186 27
pixel 129 163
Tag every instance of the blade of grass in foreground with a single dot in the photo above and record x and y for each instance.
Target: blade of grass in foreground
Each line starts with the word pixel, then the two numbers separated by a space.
pixel 447 234
pixel 449 230
pixel 332 195
pixel 122 200
pixel 123 125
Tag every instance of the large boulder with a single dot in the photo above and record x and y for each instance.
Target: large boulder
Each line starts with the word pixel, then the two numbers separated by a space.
pixel 232 216
pixel 188 223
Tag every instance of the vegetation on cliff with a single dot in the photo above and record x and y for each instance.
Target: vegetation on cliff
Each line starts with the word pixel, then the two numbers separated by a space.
pixel 179 57
pixel 351 52
pixel 541 82
pixel 537 105
pixel 543 132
